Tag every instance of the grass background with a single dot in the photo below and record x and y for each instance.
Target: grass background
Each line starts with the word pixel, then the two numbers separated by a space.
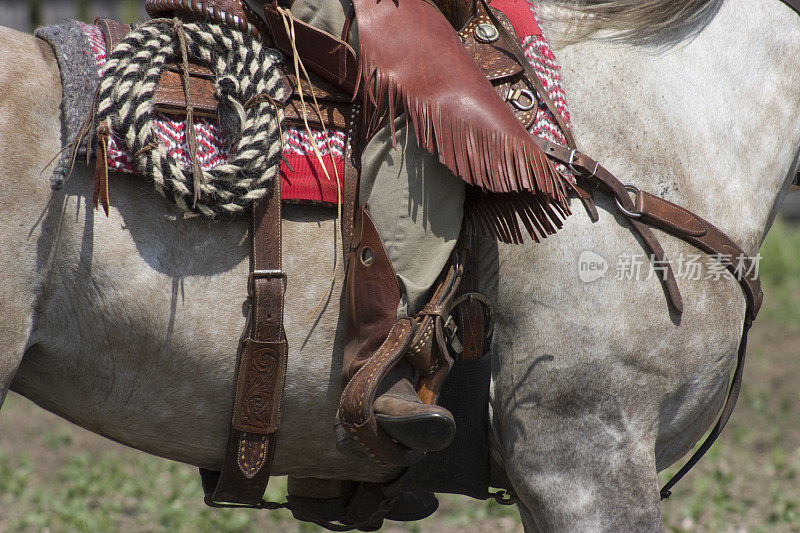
pixel 57 477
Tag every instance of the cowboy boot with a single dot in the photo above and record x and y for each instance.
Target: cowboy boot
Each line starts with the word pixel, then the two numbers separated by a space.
pixel 401 413
pixel 373 368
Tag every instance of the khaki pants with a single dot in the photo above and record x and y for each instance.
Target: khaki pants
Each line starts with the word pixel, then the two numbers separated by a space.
pixel 417 204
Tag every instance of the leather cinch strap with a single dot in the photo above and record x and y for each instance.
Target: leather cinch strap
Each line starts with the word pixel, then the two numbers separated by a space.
pixel 261 372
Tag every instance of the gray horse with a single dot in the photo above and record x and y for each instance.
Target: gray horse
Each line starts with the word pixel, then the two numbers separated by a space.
pixel 128 325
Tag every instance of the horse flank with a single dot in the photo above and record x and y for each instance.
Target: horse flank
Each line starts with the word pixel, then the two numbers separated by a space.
pixel 643 22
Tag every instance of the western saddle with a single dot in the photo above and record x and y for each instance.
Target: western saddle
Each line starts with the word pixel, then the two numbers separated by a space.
pixel 376 341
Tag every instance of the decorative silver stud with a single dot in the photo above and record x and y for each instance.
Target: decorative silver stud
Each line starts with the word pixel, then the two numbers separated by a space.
pixel 486 33
pixel 276 56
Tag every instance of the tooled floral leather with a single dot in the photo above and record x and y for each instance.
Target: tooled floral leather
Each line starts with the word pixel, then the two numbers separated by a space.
pixel 256 407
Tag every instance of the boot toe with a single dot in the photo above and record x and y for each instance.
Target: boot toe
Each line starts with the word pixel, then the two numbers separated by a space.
pixel 426 428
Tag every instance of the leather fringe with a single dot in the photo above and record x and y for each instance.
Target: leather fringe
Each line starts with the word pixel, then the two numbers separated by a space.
pixel 483 158
pixel 502 216
pixel 100 193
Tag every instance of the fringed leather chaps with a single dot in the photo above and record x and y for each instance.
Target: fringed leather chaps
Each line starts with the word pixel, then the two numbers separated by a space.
pixel 411 56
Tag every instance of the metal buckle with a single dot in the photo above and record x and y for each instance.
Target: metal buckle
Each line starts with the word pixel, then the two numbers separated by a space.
pixel 261 274
pixel 263 504
pixel 513 97
pixel 571 160
pixel 504 497
pixel 635 190
pixel 487 306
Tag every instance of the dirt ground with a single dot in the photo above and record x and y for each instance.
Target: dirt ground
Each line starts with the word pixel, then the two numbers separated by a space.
pixel 57 477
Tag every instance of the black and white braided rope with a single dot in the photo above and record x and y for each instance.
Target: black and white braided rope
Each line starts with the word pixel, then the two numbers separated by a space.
pixel 244 68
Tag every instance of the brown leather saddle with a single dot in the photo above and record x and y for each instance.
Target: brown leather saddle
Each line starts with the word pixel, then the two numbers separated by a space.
pixel 337 77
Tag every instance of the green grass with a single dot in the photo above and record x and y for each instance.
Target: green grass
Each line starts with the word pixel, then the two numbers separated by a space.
pixel 780 272
pixel 124 490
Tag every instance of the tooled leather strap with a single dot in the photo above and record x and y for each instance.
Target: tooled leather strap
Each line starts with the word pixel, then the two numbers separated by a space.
pixel 261 371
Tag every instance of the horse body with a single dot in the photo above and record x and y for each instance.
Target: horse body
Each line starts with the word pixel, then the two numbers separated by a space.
pixel 129 324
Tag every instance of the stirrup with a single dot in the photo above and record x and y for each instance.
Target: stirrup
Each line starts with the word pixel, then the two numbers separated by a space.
pixel 356 414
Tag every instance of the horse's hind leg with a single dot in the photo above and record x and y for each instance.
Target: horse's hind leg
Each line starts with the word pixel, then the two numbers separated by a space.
pixel 30 99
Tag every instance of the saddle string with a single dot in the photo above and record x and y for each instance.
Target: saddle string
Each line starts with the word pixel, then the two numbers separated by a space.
pixel 288 23
pixel 100 193
pixel 191 137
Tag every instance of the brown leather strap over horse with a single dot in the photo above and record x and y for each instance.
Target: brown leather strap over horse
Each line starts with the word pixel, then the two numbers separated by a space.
pixel 261 371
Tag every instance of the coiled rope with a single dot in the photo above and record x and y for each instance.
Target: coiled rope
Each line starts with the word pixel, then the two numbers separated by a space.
pixel 248 87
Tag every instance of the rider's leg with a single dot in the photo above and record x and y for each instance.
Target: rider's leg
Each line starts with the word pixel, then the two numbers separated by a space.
pixel 417 206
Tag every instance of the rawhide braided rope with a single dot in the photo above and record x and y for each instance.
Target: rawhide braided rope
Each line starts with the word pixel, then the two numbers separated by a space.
pixel 247 85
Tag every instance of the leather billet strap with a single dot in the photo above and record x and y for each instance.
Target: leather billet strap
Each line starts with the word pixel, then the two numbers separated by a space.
pixel 261 371
pixel 353 148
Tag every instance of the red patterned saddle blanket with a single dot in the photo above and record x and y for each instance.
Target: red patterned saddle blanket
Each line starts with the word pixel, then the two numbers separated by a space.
pixel 301 172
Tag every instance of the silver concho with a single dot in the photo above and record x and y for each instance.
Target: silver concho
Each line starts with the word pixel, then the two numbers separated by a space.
pixel 486 33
